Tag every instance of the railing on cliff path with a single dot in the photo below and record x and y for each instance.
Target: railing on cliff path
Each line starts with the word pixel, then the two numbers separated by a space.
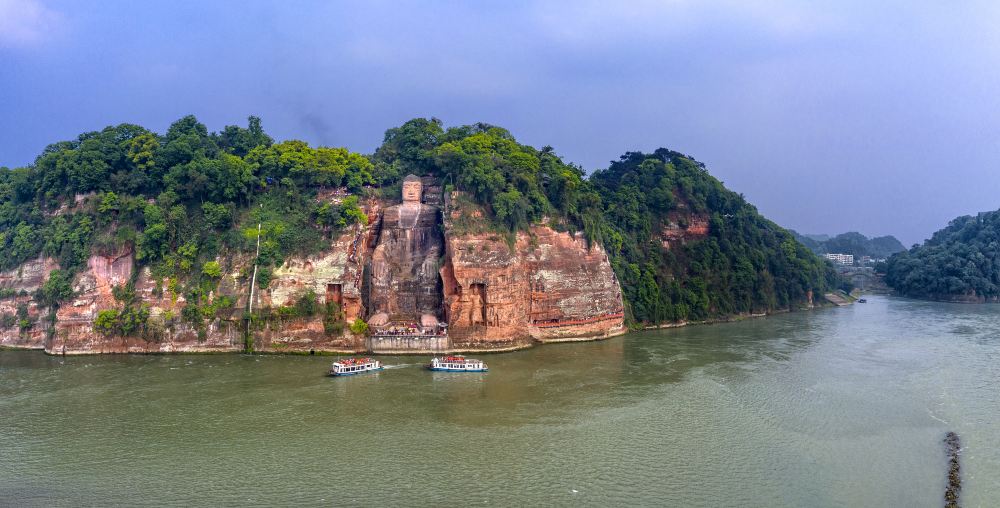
pixel 556 323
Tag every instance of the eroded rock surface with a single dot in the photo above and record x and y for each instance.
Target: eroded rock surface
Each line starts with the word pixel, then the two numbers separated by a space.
pixel 683 227
pixel 404 266
pixel 550 286
pixel 485 293
pixel 19 285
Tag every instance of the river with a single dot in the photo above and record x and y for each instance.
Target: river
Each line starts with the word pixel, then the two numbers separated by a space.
pixel 836 407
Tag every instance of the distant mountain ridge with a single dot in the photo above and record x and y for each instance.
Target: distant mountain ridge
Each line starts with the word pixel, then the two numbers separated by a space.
pixel 851 243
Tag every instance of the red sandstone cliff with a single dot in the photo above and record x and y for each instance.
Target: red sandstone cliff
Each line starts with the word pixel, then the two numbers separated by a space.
pixel 547 286
pixel 682 227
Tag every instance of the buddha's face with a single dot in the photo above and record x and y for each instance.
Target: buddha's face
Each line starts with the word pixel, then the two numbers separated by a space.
pixel 411 191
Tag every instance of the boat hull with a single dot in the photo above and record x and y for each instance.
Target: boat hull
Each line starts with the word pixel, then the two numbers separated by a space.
pixel 441 369
pixel 341 374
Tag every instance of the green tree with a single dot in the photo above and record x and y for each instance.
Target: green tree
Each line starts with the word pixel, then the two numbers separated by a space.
pixel 359 327
pixel 212 269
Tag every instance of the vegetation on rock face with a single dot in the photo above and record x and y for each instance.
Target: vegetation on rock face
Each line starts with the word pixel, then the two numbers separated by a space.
pixel 744 263
pixel 131 319
pixel 189 201
pixel 961 261
pixel 178 201
pixel 359 327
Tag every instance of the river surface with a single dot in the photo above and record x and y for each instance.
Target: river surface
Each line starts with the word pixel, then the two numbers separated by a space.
pixel 836 407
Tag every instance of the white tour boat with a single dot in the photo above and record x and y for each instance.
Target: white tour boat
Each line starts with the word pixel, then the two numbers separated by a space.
pixel 353 366
pixel 457 364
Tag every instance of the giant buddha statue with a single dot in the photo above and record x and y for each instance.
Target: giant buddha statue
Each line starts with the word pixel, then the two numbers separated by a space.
pixel 405 284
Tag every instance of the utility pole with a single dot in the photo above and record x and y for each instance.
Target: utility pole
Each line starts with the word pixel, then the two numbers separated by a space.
pixel 253 285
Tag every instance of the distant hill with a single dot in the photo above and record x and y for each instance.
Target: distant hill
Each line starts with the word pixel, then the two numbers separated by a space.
pixel 852 243
pixel 958 263
pixel 818 238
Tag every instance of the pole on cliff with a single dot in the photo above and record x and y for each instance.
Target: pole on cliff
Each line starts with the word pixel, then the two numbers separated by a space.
pixel 248 344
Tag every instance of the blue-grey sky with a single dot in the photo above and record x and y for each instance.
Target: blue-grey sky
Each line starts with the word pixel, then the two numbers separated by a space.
pixel 830 116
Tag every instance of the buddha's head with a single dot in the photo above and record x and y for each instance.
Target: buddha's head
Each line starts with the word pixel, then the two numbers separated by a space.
pixel 412 189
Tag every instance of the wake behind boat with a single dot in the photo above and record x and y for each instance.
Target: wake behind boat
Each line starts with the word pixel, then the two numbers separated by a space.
pixel 457 364
pixel 351 366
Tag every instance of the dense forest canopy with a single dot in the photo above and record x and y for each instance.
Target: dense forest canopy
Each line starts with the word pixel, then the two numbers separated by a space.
pixel 961 261
pixel 854 243
pixel 745 264
pixel 181 199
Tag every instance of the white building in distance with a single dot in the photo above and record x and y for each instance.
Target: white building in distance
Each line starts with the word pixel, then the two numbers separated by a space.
pixel 840 259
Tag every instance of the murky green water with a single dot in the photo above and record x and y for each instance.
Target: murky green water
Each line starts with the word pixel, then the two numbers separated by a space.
pixel 840 407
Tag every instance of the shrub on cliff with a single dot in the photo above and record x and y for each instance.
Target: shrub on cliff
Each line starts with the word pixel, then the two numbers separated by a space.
pixel 211 269
pixel 56 289
pixel 126 322
pixel 359 327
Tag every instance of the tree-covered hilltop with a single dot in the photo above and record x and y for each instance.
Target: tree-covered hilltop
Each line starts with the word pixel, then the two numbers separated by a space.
pixel 743 264
pixel 517 184
pixel 683 247
pixel 852 243
pixel 178 201
pixel 959 262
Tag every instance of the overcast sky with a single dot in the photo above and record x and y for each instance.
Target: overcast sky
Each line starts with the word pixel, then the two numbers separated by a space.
pixel 829 116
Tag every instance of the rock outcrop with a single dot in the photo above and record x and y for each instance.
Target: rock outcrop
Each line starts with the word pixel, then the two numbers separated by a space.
pixel 551 286
pixel 682 228
pixel 547 286
pixel 408 269
pixel 22 325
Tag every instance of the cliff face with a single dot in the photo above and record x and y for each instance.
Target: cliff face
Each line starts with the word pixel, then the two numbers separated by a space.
pixel 682 227
pixel 549 287
pixel 408 267
pixel 574 292
pixel 24 327
pixel 74 326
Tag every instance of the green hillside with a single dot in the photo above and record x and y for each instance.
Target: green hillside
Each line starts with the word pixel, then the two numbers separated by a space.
pixel 959 262
pixel 182 198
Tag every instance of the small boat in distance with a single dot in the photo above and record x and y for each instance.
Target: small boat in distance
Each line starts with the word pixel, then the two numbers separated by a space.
pixel 351 366
pixel 457 364
pixel 862 301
